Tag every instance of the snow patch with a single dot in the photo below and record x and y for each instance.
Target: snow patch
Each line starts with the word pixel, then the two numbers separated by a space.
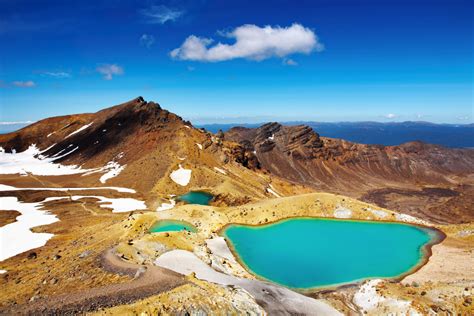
pixel 368 299
pixel 181 176
pixel 379 213
pixel 342 212
pixel 272 190
pixel 3 271
pixel 410 219
pixel 4 187
pixel 272 137
pixel 118 205
pixel 185 262
pixel 114 168
pixel 31 161
pixel 220 170
pixel 80 130
pixel 166 206
pixel 17 237
pixel 199 146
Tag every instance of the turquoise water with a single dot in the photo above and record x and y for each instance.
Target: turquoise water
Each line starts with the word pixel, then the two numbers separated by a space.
pixel 171 226
pixel 308 252
pixel 196 197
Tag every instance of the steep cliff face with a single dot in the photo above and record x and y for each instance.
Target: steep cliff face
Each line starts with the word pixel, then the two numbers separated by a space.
pixel 299 154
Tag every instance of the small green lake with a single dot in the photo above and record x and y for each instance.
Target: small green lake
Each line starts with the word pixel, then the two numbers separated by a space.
pixel 171 226
pixel 307 253
pixel 196 197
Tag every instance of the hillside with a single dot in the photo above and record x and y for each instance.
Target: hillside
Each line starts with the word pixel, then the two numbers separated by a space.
pixel 138 145
pixel 418 178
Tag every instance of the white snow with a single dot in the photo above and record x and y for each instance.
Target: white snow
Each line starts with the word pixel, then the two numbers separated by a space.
pixel 199 145
pixel 187 126
pixel 272 137
pixel 118 205
pixel 410 219
pixel 220 170
pixel 181 158
pixel 17 237
pixel 185 262
pixel 3 271
pixel 31 161
pixel 272 190
pixel 368 299
pixel 342 212
pixel 4 187
pixel 50 134
pixel 379 213
pixel 181 176
pixel 80 129
pixel 219 247
pixel 166 206
pixel 114 169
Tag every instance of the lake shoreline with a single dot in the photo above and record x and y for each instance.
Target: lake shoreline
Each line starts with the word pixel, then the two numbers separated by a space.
pixel 437 236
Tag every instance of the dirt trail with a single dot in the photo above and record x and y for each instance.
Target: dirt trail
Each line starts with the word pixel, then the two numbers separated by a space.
pixel 148 281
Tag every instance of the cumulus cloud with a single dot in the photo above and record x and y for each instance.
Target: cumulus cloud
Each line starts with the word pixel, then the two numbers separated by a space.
pixel 160 14
pixel 390 116
pixel 109 70
pixel 24 84
pixel 57 74
pixel 290 62
pixel 147 40
pixel 251 42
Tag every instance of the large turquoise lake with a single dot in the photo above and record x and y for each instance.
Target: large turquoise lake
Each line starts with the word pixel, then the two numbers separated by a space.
pixel 308 253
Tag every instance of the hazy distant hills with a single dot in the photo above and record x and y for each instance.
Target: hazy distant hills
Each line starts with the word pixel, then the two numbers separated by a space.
pixel 449 135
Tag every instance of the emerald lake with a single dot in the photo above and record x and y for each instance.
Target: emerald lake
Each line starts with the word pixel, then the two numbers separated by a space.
pixel 171 226
pixel 307 253
pixel 196 197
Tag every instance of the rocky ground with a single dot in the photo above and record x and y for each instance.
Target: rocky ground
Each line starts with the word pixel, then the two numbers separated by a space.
pixel 131 160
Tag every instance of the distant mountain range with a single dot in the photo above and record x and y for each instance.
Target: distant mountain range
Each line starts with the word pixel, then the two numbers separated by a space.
pixel 376 133
pixel 388 134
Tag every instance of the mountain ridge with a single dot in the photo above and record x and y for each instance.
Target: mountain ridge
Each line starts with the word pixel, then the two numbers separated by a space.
pixel 138 135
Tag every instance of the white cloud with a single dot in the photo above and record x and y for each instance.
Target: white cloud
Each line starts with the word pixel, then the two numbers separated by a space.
pixel 16 123
pixel 390 116
pixel 57 74
pixel 290 62
pixel 24 84
pixel 251 42
pixel 464 117
pixel 147 40
pixel 160 14
pixel 109 70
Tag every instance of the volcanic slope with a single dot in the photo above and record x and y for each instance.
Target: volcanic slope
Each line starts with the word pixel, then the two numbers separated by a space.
pixel 141 146
pixel 424 180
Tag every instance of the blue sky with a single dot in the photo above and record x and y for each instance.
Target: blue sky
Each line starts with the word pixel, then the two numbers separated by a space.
pixel 328 60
